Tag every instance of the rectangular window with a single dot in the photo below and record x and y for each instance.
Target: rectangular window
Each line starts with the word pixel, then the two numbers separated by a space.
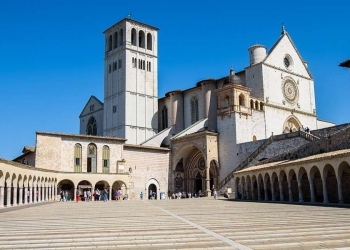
pixel 105 163
pixel 109 69
pixel 120 63
pixel 77 161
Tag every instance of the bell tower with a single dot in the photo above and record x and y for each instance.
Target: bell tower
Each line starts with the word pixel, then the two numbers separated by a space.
pixel 131 81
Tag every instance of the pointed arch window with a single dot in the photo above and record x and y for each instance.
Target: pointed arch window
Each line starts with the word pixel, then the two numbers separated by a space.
pixel 91 128
pixel 105 160
pixel 77 158
pixel 149 41
pixel 164 117
pixel 194 109
pixel 91 158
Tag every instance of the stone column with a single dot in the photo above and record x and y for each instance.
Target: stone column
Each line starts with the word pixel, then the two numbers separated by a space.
pixel 20 200
pixel 312 189
pixel 50 193
pixel 93 196
pixel 25 195
pixel 242 191
pixel 340 191
pixel 273 191
pixel 2 194
pixel 35 192
pixel 265 190
pixel 110 193
pixel 30 194
pixel 9 194
pixel 290 193
pixel 280 184
pixel 46 193
pixel 207 190
pixel 75 194
pixel 39 195
pixel 259 195
pixel 15 196
pixel 325 194
pixel 55 192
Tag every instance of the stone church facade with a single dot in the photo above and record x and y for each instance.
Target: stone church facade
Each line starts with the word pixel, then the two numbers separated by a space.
pixel 190 140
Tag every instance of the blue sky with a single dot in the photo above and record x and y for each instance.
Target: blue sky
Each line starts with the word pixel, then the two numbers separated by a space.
pixel 51 53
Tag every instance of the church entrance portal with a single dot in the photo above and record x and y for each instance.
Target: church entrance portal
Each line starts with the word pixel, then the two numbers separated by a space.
pixel 152 190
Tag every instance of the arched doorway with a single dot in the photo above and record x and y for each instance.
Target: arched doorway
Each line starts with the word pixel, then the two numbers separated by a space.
pixel 315 177
pixel 84 186
pixel 119 185
pixel 331 183
pixel 344 175
pixel 66 186
pixel 294 186
pixel 152 189
pixel 291 124
pixel 99 187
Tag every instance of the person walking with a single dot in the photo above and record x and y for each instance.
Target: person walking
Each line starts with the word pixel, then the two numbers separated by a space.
pixel 85 195
pixel 215 194
pixel 141 195
pixel 88 195
pixel 61 196
pixel 105 195
pixel 66 195
pixel 77 195
pixel 98 194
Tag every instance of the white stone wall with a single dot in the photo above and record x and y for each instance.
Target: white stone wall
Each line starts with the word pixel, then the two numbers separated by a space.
pixel 147 164
pixel 275 119
pixel 254 80
pixel 136 94
pixel 187 105
pixel 324 124
pixel 56 152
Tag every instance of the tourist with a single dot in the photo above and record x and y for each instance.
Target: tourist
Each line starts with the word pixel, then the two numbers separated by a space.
pixel 77 196
pixel 84 195
pixel 141 195
pixel 105 195
pixel 116 195
pixel 150 194
pixel 66 195
pixel 215 194
pixel 88 195
pixel 120 194
pixel 97 195
pixel 61 196
pixel 169 194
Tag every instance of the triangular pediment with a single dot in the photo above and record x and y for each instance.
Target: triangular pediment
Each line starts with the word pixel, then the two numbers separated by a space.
pixel 98 105
pixel 285 47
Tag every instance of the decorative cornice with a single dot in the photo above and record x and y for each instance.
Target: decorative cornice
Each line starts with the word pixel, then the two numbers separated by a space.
pixel 287 71
pixel 290 109
pixel 90 137
pixel 194 135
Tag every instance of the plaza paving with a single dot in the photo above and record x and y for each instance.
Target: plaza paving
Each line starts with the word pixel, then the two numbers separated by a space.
pixel 174 224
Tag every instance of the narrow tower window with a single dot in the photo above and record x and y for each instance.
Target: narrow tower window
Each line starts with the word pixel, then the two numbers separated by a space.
pixel 149 41
pixel 194 109
pixel 133 37
pixel 141 39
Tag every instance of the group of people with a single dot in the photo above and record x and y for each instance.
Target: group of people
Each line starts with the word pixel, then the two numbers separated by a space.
pixel 63 195
pixel 97 195
pixel 118 195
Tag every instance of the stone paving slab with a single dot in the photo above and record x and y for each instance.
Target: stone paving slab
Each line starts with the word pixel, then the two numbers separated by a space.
pixel 174 224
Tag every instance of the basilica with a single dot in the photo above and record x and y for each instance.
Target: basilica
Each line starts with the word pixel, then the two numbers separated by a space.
pixel 252 134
